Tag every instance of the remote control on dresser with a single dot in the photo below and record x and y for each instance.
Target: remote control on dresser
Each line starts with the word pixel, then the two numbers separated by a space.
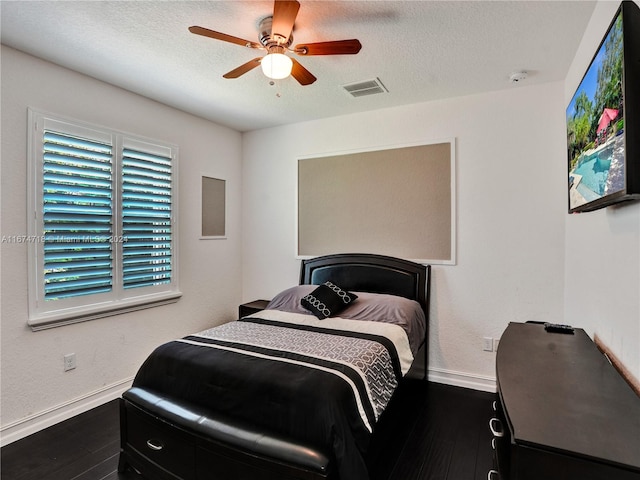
pixel 558 328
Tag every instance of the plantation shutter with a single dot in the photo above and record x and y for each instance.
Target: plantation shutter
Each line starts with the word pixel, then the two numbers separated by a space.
pixel 146 218
pixel 101 238
pixel 78 206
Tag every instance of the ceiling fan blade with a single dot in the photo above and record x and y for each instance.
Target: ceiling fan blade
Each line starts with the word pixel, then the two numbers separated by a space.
pixel 338 47
pixel 205 32
pixel 284 16
pixel 301 74
pixel 244 68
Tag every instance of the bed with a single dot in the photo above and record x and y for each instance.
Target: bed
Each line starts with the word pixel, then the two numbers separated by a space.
pixel 291 392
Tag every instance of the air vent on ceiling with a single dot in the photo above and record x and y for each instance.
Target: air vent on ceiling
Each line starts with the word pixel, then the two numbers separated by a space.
pixel 368 87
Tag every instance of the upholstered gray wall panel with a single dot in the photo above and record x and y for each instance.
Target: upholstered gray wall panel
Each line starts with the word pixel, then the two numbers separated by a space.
pixel 395 202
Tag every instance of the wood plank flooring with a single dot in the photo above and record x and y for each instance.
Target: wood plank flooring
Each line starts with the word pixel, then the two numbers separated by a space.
pixel 429 432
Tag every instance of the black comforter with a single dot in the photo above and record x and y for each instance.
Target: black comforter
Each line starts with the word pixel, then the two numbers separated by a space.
pixel 324 387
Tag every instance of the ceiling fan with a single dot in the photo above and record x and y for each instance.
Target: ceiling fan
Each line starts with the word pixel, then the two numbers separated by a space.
pixel 275 37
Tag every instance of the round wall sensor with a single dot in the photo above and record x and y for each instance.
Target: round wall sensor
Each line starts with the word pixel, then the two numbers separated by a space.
pixel 517 77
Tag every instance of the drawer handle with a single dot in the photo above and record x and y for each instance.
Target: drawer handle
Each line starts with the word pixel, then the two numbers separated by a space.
pixel 495 406
pixel 493 443
pixel 154 444
pixel 496 433
pixel 493 475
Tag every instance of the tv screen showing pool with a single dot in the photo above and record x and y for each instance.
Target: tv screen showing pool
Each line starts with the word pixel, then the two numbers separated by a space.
pixel 595 127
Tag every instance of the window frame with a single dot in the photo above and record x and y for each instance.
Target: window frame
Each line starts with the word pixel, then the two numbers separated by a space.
pixel 47 314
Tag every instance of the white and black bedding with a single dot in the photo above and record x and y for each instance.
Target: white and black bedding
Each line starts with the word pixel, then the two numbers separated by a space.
pixel 339 373
pixel 312 369
pixel 373 307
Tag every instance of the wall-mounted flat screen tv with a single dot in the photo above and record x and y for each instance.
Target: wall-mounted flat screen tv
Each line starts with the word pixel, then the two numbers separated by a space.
pixel 603 120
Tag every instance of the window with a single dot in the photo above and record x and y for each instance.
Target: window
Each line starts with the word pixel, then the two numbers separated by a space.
pixel 102 236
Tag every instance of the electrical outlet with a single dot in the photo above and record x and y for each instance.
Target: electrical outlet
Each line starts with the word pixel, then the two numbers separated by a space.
pixel 487 344
pixel 69 361
pixel 496 341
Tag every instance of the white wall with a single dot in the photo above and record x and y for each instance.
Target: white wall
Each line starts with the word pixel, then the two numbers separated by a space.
pixel 511 211
pixel 602 251
pixel 35 390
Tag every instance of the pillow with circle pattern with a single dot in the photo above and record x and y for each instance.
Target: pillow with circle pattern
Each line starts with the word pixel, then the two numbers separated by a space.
pixel 327 300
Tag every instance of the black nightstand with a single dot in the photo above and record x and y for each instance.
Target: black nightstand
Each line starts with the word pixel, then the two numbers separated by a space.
pixel 252 307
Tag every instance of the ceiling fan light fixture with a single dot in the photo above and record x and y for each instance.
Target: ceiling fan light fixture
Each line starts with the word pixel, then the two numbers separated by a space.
pixel 276 66
pixel 275 36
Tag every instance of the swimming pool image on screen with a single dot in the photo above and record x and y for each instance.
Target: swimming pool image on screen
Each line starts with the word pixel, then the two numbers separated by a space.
pixel 598 172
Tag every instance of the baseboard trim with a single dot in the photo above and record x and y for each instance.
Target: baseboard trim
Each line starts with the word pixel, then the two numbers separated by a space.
pixel 633 382
pixel 39 421
pixel 34 423
pixel 462 379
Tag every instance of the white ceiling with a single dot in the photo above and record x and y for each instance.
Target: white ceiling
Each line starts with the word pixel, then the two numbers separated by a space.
pixel 420 50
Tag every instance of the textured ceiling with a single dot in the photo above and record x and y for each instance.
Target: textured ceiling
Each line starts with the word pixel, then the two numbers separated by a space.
pixel 420 50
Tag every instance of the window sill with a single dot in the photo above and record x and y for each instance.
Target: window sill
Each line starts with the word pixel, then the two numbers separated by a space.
pixel 59 319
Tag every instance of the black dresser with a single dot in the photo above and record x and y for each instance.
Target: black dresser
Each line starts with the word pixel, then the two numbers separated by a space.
pixel 563 411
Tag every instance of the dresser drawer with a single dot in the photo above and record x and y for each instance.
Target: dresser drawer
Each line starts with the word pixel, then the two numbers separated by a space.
pixel 158 442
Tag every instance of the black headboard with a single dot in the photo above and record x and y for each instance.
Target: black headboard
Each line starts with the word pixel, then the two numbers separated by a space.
pixel 370 273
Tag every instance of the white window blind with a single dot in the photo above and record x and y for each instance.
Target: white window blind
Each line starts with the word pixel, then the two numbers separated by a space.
pixel 102 237
pixel 77 216
pixel 146 219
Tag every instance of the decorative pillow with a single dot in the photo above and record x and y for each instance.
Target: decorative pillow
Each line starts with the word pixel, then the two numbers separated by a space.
pixel 327 300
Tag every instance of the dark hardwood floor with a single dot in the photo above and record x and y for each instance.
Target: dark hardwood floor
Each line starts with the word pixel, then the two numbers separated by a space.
pixel 429 432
